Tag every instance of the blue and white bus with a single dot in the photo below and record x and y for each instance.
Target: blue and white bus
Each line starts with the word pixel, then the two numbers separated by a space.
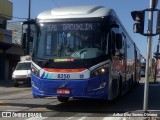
pixel 143 67
pixel 83 52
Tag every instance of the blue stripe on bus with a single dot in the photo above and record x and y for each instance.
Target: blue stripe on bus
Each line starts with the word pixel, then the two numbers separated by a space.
pixel 88 88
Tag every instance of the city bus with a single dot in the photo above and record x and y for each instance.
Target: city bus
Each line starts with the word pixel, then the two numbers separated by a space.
pixel 143 67
pixel 82 52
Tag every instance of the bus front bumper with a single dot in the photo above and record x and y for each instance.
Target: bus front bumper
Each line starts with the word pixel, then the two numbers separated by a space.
pixel 94 88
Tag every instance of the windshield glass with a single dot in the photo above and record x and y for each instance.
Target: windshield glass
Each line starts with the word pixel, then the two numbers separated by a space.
pixel 23 66
pixel 69 40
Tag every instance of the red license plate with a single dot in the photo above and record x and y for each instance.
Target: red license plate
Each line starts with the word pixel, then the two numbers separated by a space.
pixel 63 91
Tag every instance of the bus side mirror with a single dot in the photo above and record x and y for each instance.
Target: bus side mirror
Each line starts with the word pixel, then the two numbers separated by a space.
pixel 119 41
pixel 24 40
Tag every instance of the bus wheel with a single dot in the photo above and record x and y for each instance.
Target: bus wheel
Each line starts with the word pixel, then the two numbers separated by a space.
pixel 63 99
pixel 34 96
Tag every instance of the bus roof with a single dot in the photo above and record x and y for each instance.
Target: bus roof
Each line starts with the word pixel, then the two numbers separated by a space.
pixel 76 12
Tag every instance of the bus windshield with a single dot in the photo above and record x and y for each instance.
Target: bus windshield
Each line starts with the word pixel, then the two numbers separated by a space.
pixel 69 40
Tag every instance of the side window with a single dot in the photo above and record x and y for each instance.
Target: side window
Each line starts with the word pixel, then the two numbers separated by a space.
pixel 113 42
pixel 123 45
pixel 114 31
pixel 123 40
pixel 48 44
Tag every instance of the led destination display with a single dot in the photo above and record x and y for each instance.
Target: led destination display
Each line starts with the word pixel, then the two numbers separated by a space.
pixel 72 27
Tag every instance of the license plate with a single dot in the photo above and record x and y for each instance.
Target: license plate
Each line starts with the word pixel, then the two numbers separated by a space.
pixel 20 82
pixel 63 91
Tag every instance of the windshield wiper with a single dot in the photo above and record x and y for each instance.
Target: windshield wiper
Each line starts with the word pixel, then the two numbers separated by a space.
pixel 45 62
pixel 79 56
pixel 76 55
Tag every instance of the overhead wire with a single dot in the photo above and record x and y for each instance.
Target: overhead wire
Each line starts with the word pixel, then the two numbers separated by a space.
pixel 1 14
pixel 9 36
pixel 12 16
pixel 15 21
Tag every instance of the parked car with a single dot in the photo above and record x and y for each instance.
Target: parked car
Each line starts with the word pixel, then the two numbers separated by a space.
pixel 22 74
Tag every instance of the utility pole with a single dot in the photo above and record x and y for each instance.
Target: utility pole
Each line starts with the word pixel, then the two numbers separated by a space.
pixel 148 58
pixel 29 28
pixel 29 9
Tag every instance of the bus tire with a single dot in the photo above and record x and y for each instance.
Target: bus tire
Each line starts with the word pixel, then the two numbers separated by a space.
pixel 34 96
pixel 63 99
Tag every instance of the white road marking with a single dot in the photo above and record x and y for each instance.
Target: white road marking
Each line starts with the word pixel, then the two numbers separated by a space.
pixel 36 118
pixel 112 118
pixel 82 118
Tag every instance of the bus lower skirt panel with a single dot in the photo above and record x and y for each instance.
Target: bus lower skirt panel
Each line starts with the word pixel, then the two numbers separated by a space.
pixel 95 88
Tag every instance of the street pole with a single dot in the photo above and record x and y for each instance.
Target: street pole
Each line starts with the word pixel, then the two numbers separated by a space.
pixel 29 29
pixel 29 9
pixel 148 58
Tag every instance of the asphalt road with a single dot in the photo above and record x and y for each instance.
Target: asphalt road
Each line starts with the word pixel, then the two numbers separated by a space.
pixel 20 100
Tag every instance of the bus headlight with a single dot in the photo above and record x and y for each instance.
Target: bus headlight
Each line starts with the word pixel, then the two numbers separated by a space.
pixel 99 71
pixel 35 71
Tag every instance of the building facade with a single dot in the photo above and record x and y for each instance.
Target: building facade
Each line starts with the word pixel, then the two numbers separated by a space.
pixel 9 53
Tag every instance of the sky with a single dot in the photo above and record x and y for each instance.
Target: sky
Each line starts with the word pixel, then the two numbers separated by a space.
pixel 122 8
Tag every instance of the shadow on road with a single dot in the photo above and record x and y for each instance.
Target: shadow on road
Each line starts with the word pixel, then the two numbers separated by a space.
pixel 131 101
